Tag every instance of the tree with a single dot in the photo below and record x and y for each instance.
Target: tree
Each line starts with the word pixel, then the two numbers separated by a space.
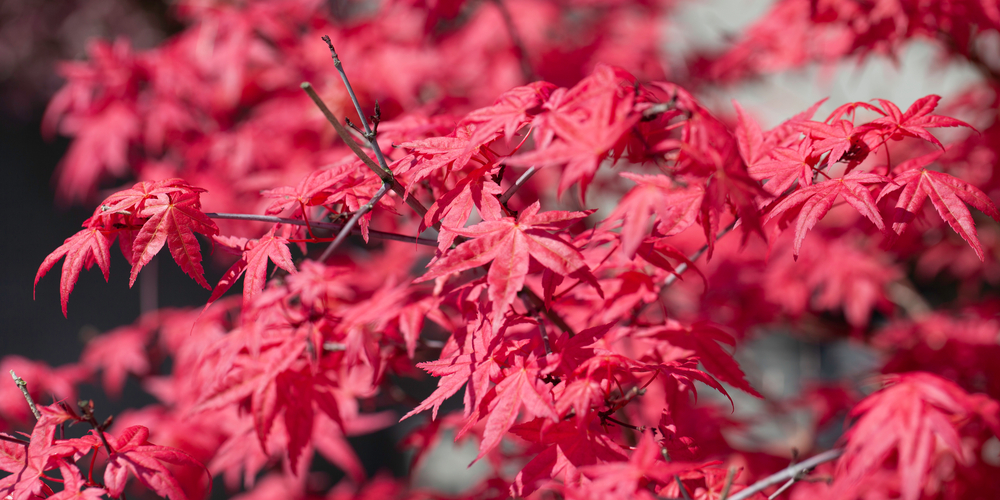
pixel 577 337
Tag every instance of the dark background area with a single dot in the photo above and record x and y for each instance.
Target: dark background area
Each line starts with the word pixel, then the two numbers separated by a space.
pixel 34 38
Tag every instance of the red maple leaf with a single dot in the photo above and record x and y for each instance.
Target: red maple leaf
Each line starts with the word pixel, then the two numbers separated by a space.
pixel 452 209
pixel 132 200
pixel 623 479
pixel 918 415
pixel 174 222
pixel 749 137
pixel 118 353
pixel 44 452
pixel 440 155
pixel 509 244
pixel 254 263
pixel 811 203
pixel 510 111
pixel 948 195
pixel 308 192
pixel 582 125
pixel 787 165
pixel 913 123
pixel 704 338
pixel 81 250
pixel 520 387
pixel 838 138
pixel 676 208
pixel 472 364
pixel 564 448
pixel 74 487
pixel 133 453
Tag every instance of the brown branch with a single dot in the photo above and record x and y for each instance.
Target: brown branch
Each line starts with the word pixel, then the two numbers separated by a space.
pixel 684 493
pixel 12 439
pixel 384 174
pixel 971 54
pixel 657 109
pixel 904 294
pixel 21 384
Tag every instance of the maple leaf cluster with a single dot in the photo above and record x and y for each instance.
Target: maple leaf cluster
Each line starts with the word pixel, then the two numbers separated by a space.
pixel 550 228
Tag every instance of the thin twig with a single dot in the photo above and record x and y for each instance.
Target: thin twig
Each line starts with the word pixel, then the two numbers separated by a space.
pixel 505 197
pixel 657 109
pixel 515 38
pixel 21 384
pixel 369 134
pixel 12 439
pixel 680 486
pixel 788 484
pixel 683 266
pixel 386 174
pixel 325 225
pixel 729 483
pixel 787 473
pixel 334 346
pixel 346 230
pixel 539 304
pixel 903 294
pixel 87 408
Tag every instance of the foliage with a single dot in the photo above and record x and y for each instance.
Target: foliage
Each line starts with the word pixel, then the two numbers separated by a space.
pixel 500 129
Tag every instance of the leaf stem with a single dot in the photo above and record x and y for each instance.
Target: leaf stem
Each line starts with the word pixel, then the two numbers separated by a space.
pixel 346 230
pixel 539 304
pixel 87 408
pixel 325 225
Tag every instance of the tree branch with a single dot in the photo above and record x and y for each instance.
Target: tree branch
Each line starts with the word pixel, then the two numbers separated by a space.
pixel 12 439
pixel 515 38
pixel 505 197
pixel 694 256
pixel 21 384
pixel 325 225
pixel 87 408
pixel 790 472
pixel 369 134
pixel 386 174
pixel 729 483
